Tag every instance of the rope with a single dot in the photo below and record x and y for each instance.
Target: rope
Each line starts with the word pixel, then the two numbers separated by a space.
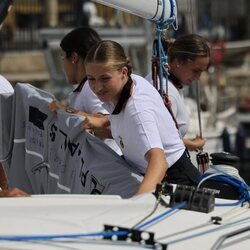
pixel 230 175
pixel 159 53
pixel 161 216
pixel 160 59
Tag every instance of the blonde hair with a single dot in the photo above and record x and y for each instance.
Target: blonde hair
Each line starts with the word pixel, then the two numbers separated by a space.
pixel 110 54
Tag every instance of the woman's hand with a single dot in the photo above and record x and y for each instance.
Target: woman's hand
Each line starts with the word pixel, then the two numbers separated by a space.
pixel 95 122
pixel 13 192
pixel 55 105
pixel 99 124
pixel 195 144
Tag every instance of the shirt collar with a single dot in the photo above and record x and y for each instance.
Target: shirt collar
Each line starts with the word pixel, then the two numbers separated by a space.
pixel 124 96
pixel 175 81
pixel 80 85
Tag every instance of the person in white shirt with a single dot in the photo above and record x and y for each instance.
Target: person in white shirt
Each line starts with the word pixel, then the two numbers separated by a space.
pixel 188 57
pixel 140 123
pixel 5 191
pixel 82 101
pixel 5 86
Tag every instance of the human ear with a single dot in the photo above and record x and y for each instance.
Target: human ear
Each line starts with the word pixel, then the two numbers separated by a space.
pixel 179 62
pixel 74 57
pixel 124 71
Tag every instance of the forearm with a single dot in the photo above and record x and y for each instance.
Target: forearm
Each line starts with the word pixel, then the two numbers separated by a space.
pixel 99 124
pixel 188 144
pixel 156 171
pixel 103 133
pixel 13 192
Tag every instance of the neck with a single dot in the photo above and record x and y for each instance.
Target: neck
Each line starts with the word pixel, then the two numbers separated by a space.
pixel 80 71
pixel 175 80
pixel 118 96
pixel 123 96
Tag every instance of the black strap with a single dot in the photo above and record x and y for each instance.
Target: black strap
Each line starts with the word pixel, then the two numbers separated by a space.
pixel 124 96
pixel 175 81
pixel 80 85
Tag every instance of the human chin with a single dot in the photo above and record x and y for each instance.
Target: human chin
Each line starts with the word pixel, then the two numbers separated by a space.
pixel 103 96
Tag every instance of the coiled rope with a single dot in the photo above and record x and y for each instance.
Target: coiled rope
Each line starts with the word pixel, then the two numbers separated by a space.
pixel 229 175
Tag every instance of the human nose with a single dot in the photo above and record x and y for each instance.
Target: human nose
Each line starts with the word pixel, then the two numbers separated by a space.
pixel 98 86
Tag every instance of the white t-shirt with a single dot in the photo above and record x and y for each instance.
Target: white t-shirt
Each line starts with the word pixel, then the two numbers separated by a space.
pixel 145 123
pixel 178 105
pixel 86 101
pixel 5 86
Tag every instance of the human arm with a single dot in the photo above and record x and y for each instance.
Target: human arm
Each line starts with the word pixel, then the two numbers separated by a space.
pixel 13 192
pixel 194 144
pixel 99 124
pixel 56 105
pixel 155 172
pixel 8 192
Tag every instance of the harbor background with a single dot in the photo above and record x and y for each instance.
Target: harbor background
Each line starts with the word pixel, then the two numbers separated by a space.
pixel 30 36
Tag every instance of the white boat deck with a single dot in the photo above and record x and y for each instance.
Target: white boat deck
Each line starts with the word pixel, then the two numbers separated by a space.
pixel 82 214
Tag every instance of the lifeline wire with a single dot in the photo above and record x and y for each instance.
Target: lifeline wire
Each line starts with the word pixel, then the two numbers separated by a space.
pixel 234 212
pixel 244 220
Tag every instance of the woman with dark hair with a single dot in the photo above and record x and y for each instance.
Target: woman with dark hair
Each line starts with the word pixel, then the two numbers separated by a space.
pixel 82 101
pixel 140 123
pixel 74 48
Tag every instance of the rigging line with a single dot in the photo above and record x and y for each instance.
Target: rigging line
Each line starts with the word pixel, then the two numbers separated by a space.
pixel 147 216
pixel 158 201
pixel 198 106
pixel 227 216
pixel 161 216
pixel 60 244
pixel 241 221
pixel 191 15
pixel 60 236
pixel 230 204
pixel 185 230
pixel 234 212
pixel 191 11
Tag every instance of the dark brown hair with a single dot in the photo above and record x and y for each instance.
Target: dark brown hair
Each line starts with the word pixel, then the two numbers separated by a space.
pixel 79 40
pixel 186 47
